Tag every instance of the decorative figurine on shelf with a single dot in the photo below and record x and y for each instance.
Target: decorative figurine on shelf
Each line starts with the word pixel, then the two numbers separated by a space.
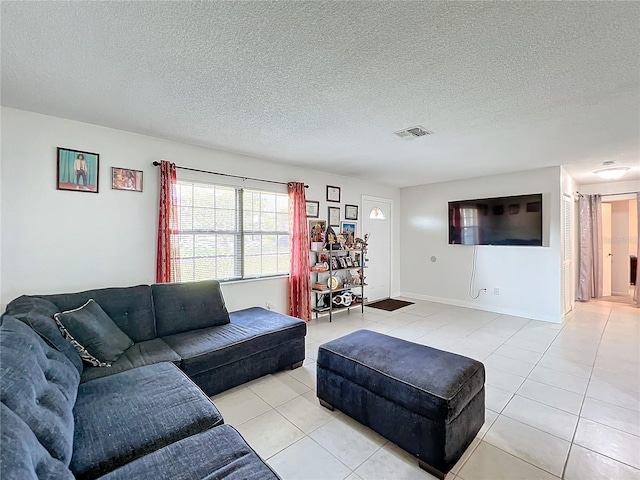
pixel 341 240
pixel 361 244
pixel 361 272
pixel 331 242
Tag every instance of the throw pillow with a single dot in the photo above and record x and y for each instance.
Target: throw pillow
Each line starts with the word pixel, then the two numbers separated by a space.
pixel 97 338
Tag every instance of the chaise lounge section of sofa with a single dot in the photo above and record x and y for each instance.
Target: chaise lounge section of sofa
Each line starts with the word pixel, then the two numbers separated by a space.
pixel 186 324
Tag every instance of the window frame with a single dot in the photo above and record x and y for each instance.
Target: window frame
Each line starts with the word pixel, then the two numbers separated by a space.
pixel 239 233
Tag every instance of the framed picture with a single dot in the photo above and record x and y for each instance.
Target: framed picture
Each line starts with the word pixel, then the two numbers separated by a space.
pixel 348 229
pixel 126 179
pixel 333 194
pixel 313 209
pixel 334 216
pixel 534 207
pixel 514 209
pixel 350 212
pixel 77 171
pixel 317 229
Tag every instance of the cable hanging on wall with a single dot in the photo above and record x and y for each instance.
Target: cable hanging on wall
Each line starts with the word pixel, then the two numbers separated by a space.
pixel 473 275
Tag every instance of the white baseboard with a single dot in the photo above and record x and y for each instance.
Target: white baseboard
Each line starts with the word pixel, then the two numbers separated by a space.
pixel 620 294
pixel 484 307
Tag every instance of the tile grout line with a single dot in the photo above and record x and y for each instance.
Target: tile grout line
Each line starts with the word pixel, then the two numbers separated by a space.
pixel 566 462
pixel 511 398
pixel 500 412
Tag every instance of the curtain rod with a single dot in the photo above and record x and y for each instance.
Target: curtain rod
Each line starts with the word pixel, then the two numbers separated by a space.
pixel 157 164
pixel 609 194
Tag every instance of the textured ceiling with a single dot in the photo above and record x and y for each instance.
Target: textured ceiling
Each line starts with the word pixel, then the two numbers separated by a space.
pixel 503 86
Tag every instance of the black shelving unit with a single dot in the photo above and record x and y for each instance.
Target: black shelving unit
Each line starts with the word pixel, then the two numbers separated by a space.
pixel 323 278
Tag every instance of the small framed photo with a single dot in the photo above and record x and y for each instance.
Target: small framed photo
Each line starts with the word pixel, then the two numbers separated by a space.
pixel 77 171
pixel 333 194
pixel 126 179
pixel 317 229
pixel 534 207
pixel 350 212
pixel 348 229
pixel 313 208
pixel 334 216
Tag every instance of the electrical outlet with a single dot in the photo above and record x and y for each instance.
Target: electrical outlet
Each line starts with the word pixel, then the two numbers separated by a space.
pixel 496 291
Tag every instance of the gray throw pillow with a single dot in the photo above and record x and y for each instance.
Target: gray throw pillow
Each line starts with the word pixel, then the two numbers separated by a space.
pixel 97 338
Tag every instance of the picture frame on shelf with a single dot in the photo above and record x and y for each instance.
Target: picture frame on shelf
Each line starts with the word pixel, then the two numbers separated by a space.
pixel 126 179
pixel 77 170
pixel 351 212
pixel 317 229
pixel 334 216
pixel 333 194
pixel 334 263
pixel 313 209
pixel 349 230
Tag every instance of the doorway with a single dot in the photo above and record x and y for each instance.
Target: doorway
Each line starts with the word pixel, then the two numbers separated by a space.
pixel 376 221
pixel 619 247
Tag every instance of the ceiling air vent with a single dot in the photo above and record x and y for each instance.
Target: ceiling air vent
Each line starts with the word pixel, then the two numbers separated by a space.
pixel 413 133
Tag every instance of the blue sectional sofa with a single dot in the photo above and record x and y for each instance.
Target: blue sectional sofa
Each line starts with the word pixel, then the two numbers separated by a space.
pixel 145 416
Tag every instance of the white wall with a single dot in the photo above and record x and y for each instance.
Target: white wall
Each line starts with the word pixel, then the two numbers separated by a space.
pixel 611 188
pixel 61 241
pixel 528 277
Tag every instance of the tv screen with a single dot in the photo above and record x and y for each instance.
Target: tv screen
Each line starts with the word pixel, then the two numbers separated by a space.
pixel 497 221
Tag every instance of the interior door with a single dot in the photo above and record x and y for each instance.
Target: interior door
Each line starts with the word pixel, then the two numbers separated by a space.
pixel 606 249
pixel 376 220
pixel 567 255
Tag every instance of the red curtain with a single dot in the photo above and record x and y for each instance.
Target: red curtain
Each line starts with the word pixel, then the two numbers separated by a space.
pixel 167 254
pixel 299 293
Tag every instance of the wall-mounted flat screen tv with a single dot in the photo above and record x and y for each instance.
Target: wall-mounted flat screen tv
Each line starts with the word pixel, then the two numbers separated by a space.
pixel 513 220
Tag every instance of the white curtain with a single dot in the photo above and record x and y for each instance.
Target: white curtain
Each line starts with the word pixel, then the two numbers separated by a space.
pixel 636 295
pixel 590 268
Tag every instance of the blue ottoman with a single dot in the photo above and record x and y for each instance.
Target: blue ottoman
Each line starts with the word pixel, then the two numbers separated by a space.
pixel 428 402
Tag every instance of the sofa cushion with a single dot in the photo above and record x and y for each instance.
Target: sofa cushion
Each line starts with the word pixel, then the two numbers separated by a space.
pixel 220 452
pixel 131 308
pixel 125 416
pixel 97 338
pixel 39 384
pixel 251 331
pixel 38 314
pixel 23 457
pixel 138 355
pixel 181 307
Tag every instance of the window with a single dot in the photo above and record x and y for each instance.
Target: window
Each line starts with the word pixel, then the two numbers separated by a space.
pixel 229 233
pixel 377 214
pixel 469 225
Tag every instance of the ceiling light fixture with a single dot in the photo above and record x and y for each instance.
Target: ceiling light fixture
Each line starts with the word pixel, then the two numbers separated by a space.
pixel 612 173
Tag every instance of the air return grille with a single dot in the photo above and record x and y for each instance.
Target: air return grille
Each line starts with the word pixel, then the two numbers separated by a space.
pixel 413 132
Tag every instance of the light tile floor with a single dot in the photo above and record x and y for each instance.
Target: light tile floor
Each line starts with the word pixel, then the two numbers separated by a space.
pixel 563 401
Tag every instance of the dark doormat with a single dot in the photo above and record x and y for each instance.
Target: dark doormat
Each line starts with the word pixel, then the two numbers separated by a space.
pixel 389 304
